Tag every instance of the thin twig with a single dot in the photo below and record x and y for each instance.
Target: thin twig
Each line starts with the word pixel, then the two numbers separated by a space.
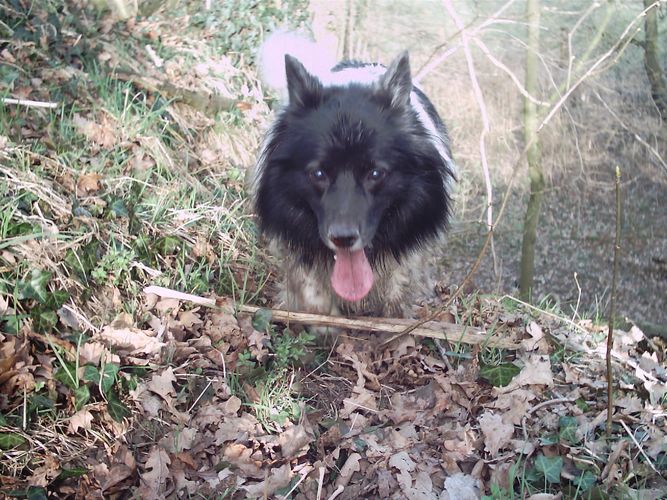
pixel 546 313
pixel 304 475
pixel 30 104
pixel 320 482
pixel 479 98
pixel 539 407
pixel 641 450
pixel 612 307
pixel 637 137
pixel 623 40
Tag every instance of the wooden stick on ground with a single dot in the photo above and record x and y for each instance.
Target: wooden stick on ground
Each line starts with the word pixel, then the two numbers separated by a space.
pixel 432 329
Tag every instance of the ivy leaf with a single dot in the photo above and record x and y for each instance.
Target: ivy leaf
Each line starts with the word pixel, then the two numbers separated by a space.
pixel 116 408
pixel 9 440
pixel 67 375
pixel 261 320
pixel 43 321
pixel 109 375
pixel 74 472
pixel 11 324
pixel 585 480
pixel 84 260
pixel 36 493
pixel 38 402
pixel 119 209
pixel 34 287
pixel 499 375
pixel 549 467
pixel 81 396
pixel 568 429
pixel 56 299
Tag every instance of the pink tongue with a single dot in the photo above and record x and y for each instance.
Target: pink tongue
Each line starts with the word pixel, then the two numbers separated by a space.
pixel 352 276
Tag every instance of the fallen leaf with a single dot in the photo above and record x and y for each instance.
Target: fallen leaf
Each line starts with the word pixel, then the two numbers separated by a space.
pixel 156 473
pixel 536 371
pixel 82 419
pixel 179 439
pixel 102 134
pixel 536 340
pixel 241 457
pixel 294 441
pixel 232 406
pixel 497 434
pixel 461 487
pixel 350 466
pixel 161 384
pixel 405 466
pixel 132 339
pixel 279 477
pixel 43 475
pixel 88 183
pixel 234 428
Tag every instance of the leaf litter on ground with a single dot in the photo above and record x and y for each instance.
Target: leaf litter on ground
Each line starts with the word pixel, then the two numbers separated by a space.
pixel 172 400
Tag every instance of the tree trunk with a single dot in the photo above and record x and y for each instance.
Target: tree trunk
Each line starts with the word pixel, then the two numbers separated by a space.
pixel 656 77
pixel 533 153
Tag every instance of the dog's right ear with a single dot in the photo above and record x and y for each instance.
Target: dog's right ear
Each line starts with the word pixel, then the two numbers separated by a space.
pixel 397 81
pixel 304 89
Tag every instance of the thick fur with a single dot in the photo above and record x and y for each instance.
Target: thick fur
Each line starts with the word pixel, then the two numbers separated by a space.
pixel 357 157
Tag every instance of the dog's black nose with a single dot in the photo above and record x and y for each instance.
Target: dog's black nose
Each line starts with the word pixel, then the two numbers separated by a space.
pixel 343 237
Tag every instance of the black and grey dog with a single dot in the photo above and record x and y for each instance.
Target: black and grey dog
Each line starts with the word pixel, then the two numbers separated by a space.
pixel 352 186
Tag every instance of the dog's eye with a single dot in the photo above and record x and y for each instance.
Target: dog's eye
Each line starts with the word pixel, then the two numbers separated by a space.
pixel 377 174
pixel 318 175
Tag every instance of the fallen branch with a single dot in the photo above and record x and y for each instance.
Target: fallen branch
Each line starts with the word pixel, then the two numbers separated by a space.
pixel 434 329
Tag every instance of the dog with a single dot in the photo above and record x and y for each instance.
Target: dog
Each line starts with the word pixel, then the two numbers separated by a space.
pixel 353 183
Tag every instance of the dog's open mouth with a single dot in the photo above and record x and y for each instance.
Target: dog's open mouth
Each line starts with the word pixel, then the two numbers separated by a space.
pixel 352 276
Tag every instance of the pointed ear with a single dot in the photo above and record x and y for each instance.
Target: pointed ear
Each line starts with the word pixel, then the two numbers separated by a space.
pixel 397 81
pixel 304 89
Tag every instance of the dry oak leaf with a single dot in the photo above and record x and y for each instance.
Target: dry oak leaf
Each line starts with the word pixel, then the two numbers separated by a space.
pixel 132 339
pixel 294 441
pixel 234 428
pixel 161 384
pixel 536 371
pixel 232 405
pixel 154 479
pixel 82 419
pixel 350 466
pixel 102 134
pixel 515 405
pixel 405 466
pixel 361 400
pixel 179 439
pixel 88 183
pixel 536 340
pixel 497 434
pixel 150 403
pixel 461 487
pixel 43 475
pixel 190 318
pixel 208 414
pixel 241 457
pixel 91 353
pixel 279 477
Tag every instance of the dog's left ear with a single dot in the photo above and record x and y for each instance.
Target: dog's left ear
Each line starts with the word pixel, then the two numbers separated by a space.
pixel 397 81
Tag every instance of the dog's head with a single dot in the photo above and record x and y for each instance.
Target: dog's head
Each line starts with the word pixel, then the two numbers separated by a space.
pixel 350 173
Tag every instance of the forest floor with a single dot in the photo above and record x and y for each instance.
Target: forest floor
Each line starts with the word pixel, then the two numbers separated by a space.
pixel 135 178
